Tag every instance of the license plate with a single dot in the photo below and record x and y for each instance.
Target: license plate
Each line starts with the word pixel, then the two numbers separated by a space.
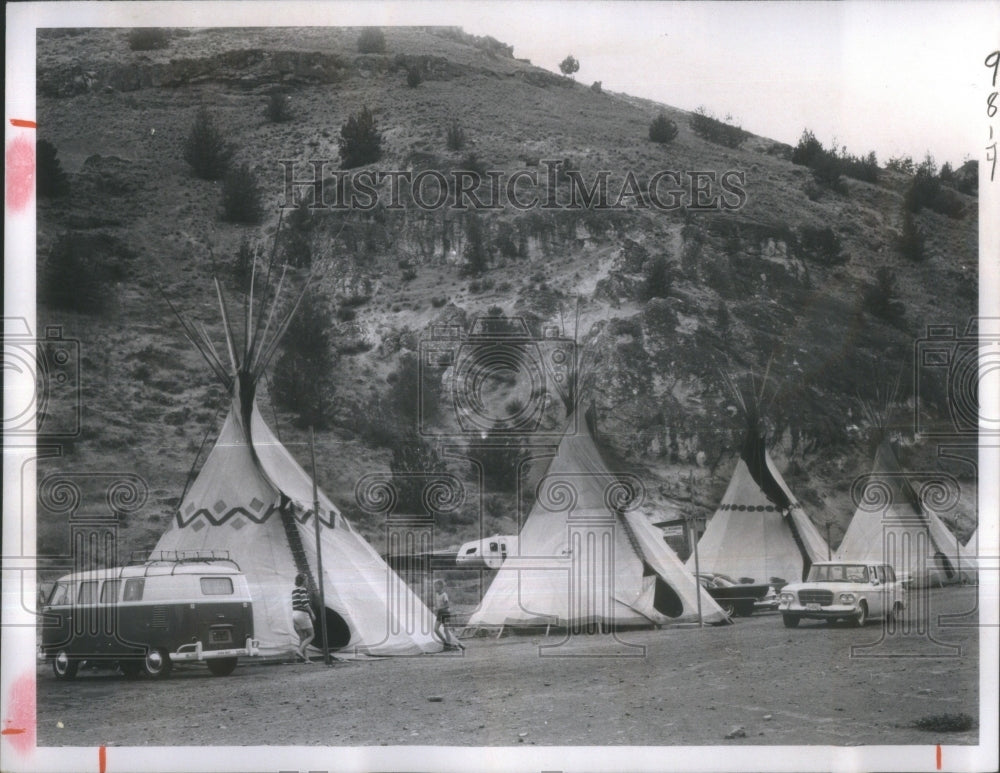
pixel 220 637
pixel 812 607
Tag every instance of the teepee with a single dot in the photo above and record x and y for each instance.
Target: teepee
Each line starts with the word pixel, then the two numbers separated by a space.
pixel 584 559
pixel 253 499
pixel 759 531
pixel 896 527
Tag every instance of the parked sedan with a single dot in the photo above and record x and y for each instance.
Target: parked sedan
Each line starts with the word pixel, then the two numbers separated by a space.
pixel 843 590
pixel 734 597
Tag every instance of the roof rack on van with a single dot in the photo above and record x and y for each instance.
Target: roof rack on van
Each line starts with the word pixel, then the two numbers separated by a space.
pixel 178 557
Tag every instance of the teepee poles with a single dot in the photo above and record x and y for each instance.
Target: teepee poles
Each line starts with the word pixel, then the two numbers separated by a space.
pixel 319 552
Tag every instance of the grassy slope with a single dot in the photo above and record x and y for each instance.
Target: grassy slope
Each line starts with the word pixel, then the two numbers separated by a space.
pixel 149 400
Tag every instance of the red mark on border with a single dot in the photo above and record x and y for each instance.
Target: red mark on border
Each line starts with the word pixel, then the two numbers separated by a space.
pixel 19 724
pixel 102 758
pixel 20 165
pixel 23 123
pixel 938 757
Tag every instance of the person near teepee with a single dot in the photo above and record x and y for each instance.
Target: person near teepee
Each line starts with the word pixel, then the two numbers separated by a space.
pixel 302 616
pixel 442 614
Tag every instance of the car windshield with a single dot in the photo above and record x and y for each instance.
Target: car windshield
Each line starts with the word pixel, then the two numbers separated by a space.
pixel 839 573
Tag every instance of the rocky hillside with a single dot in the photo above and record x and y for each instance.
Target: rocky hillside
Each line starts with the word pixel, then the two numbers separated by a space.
pixel 659 300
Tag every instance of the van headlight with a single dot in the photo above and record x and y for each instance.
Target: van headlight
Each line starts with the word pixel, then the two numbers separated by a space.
pixel 847 598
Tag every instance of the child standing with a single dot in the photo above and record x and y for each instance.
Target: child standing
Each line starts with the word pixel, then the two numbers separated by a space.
pixel 442 614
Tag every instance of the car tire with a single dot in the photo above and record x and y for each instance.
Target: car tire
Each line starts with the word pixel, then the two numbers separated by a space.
pixel 728 607
pixel 861 617
pixel 744 609
pixel 65 667
pixel 156 664
pixel 790 621
pixel 222 666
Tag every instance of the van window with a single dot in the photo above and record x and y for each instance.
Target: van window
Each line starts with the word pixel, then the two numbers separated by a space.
pixel 88 592
pixel 493 547
pixel 133 589
pixel 109 591
pixel 890 574
pixel 217 586
pixel 59 595
pixel 880 573
pixel 470 551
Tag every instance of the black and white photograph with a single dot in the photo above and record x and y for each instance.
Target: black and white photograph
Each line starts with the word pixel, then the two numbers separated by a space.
pixel 557 386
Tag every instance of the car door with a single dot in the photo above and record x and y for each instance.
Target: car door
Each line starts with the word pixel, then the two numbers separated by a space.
pixel 876 598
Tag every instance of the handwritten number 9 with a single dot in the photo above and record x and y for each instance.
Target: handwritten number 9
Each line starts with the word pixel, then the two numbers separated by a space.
pixel 993 60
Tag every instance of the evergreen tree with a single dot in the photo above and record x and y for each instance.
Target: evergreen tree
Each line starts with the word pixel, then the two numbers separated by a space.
pixel 303 372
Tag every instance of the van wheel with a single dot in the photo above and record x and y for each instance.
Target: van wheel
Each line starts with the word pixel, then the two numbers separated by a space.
pixel 130 668
pixel 895 613
pixel 222 666
pixel 65 667
pixel 156 664
pixel 861 617
pixel 790 621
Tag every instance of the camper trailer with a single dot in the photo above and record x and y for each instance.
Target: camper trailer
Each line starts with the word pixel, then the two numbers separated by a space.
pixel 487 553
pixel 146 616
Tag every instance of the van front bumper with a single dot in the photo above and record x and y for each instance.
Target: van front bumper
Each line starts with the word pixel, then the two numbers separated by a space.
pixel 195 651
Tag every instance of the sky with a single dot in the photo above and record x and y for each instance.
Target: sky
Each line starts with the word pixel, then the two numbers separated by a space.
pixel 897 78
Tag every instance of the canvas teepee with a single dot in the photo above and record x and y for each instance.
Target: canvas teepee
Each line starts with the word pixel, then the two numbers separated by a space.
pixel 582 560
pixel 759 530
pixel 896 526
pixel 253 499
pixel 905 533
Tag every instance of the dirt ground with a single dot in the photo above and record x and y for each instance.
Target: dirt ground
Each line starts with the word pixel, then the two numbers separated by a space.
pixel 677 686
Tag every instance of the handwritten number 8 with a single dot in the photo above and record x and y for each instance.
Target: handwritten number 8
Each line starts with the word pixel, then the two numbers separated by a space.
pixel 991 108
pixel 993 60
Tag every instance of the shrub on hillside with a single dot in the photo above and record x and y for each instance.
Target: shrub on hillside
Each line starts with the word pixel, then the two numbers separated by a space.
pixel 278 109
pixel 475 253
pixel 241 196
pixel 827 166
pixel 710 128
pixel 148 38
pixel 902 164
pixel 303 373
pixel 881 299
pixel 242 267
pixel 596 87
pixel 662 129
pixel 205 149
pixel 360 140
pixel 455 137
pixel 911 241
pixel 414 464
pixel 50 179
pixel 569 65
pixel 413 77
pixel 371 41
pixel 926 190
pixel 821 245
pixel 658 282
pixel 81 271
